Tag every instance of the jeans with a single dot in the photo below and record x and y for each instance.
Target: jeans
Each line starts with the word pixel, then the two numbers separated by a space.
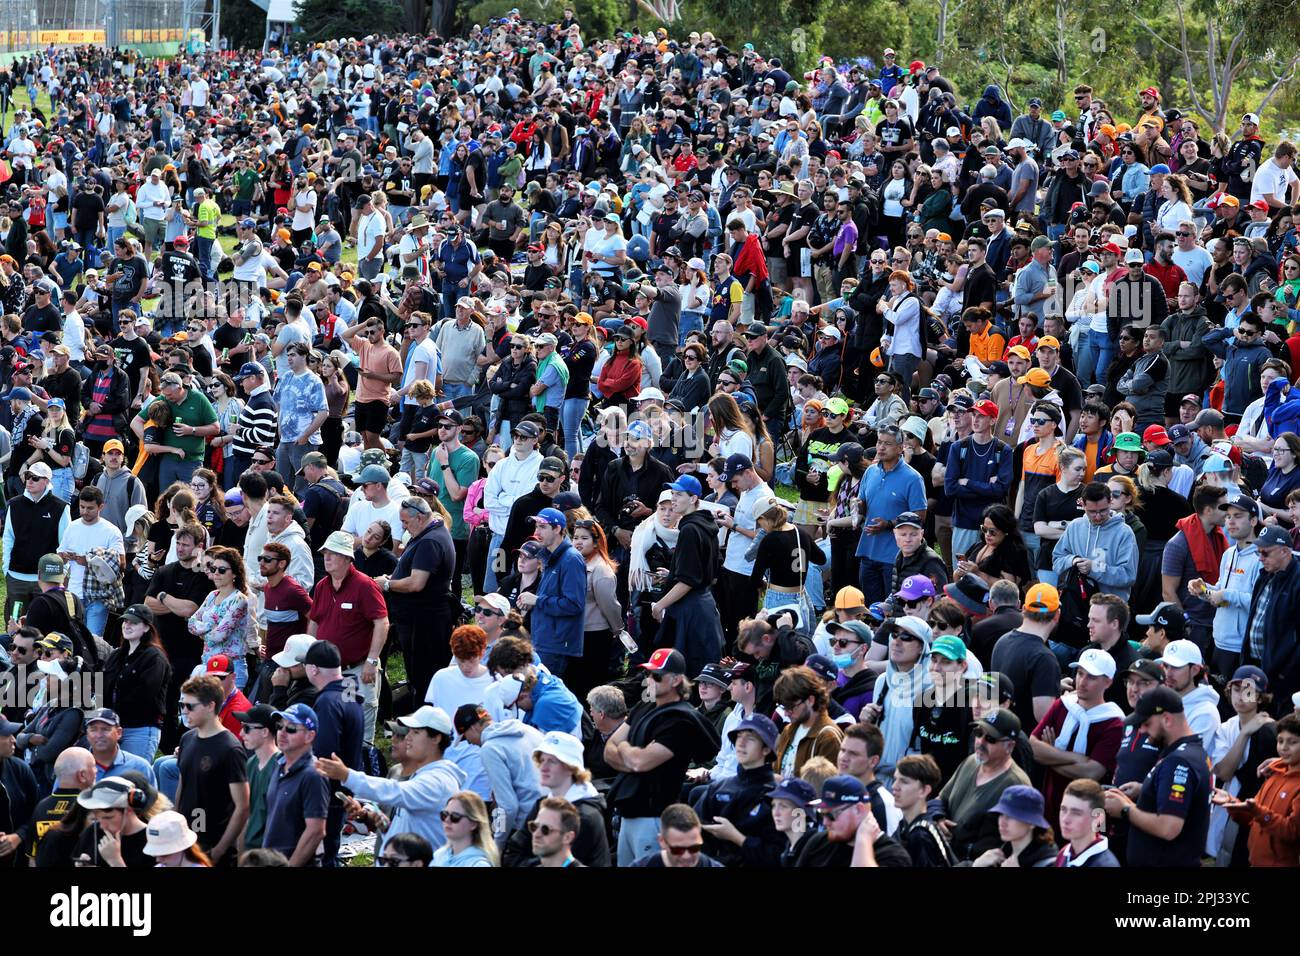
pixel 141 741
pixel 174 468
pixel 557 664
pixel 167 771
pixel 370 268
pixel 496 562
pixel 1065 654
pixel 875 578
pixel 689 322
pixel 503 436
pixel 288 459
pixel 96 617
pixel 637 837
pixel 964 540
pixel 238 664
pixel 571 413
pixel 1101 351
pixel 415 463
pixel 454 390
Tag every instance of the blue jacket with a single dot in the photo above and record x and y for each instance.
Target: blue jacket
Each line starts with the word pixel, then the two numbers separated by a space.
pixel 341 724
pixel 1240 371
pixel 561 609
pixel 970 500
pixel 1282 412
pixel 554 706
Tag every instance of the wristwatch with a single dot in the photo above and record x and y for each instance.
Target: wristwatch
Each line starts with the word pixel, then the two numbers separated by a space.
pixel 373 660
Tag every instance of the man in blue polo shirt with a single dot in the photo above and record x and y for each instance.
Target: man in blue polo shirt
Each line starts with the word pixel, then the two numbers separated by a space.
pixel 889 487
pixel 103 738
pixel 298 797
pixel 460 263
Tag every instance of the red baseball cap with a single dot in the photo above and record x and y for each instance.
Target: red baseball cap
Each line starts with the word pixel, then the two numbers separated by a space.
pixel 1156 434
pixel 218 665
pixel 666 660
pixel 916 66
pixel 1259 204
pixel 1151 91
pixel 985 407
pixel 637 320
pixel 1112 247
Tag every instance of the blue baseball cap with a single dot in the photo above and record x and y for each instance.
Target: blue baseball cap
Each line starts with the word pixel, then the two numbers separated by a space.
pixel 249 368
pixel 640 430
pixel 551 516
pixel 842 791
pixel 687 483
pixel 19 393
pixel 761 726
pixel 248 224
pixel 301 714
pixel 799 792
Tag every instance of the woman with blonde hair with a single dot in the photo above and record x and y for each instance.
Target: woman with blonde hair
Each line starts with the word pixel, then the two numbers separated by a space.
pixel 468 828
pixel 604 615
pixel 784 554
pixel 554 249
pixel 54 446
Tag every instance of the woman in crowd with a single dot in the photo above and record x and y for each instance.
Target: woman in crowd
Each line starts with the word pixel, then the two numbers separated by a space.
pixel 172 843
pixel 514 377
pixel 209 503
pixel 1002 555
pixel 226 402
pixel 476 516
pixel 1056 506
pixel 580 358
pixel 1027 839
pixel 54 446
pixel 375 557
pixel 784 556
pixel 136 677
pixel 225 618
pixel 1158 509
pixel 1283 478
pixel 336 397
pixel 468 828
pixel 604 615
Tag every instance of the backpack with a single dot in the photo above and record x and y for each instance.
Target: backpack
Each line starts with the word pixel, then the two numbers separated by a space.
pixel 1076 592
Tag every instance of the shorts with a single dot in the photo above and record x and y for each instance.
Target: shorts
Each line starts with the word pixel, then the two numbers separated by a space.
pixel 154 230
pixel 795 266
pixel 371 416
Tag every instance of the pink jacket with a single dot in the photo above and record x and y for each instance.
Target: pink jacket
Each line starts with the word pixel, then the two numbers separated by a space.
pixel 473 514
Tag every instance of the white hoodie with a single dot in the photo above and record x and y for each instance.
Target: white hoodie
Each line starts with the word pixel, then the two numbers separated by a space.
pixel 1201 705
pixel 509 479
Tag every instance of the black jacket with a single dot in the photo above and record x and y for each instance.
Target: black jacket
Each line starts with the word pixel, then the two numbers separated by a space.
pixel 620 482
pixel 692 391
pixel 298 691
pixel 511 383
pixel 518 526
pixel 821 852
pixel 590 847
pixel 1281 657
pixel 742 800
pixel 135 686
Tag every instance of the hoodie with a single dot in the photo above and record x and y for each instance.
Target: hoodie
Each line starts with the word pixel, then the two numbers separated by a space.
pixel 1201 706
pixel 1190 369
pixel 1112 548
pixel 301 566
pixel 507 747
pixel 855 692
pixel 1197 454
pixel 509 479
pixel 417 800
pixel 590 847
pixel 1240 370
pixel 554 707
pixel 1275 825
pixel 121 491
pixel 897 691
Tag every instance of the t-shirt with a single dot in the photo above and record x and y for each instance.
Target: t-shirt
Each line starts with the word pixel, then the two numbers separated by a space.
pixel 79 538
pixel 196 410
pixel 383 359
pixel 1032 669
pixel 450 688
pixel 209 765
pixel 188 585
pixel 1053 504
pixel 1039 469
pixel 465 465
pixel 285 607
pixel 132 356
pixel 362 514
pixel 431 552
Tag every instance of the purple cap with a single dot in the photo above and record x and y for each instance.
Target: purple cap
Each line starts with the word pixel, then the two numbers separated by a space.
pixel 916 587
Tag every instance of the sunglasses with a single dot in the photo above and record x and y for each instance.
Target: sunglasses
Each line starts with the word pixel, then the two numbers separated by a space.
pixel 843 642
pixel 413 325
pixel 286 729
pixel 221 568
pixel 188 706
pixel 517 345
pixel 545 829
pixel 1040 421
pixel 384 860
pixel 1183 234
pixel 674 850
pixel 544 477
pixel 452 816
pixel 261 461
pixel 991 530
pixel 267 558
pixel 489 611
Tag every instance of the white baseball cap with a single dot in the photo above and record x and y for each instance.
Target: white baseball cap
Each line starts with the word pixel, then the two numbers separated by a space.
pixel 295 649
pixel 1096 662
pixel 430 718
pixel 1181 653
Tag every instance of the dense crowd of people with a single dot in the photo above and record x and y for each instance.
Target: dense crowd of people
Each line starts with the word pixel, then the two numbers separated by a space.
pixel 527 449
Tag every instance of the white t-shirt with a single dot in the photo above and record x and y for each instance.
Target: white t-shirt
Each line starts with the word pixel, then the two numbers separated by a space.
pixel 748 508
pixel 79 538
pixel 199 91
pixel 599 244
pixel 450 688
pixel 74 335
pixel 1195 262
pixel 425 352
pixel 304 220
pixel 1272 178
pixel 372 228
pixel 362 514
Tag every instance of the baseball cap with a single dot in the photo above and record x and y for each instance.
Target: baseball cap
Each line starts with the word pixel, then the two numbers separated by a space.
pixel 249 368
pixel 551 516
pixel 50 568
pixel 1002 724
pixel 736 464
pixel 1042 598
pixel 140 613
pixel 666 660
pixel 971 592
pixel 1166 615
pixel 987 408
pixel 1096 662
pixel 849 599
pixel 1151 670
pixel 262 715
pixel 110 793
pixel 837 406
pixel 842 791
pixel 760 725
pixel 799 792
pixel 315 459
pixel 527 430
pixel 1128 441
pixel 103 715
pixel 218 666
pixel 114 444
pixel 40 470
pixel 850 451
pixel 1158 700
pixel 949 646
pixel 1134 257
pixel 1157 435
pixel 1036 377
pixel 1245 502
pixel 687 483
pixel 323 654
pixel 1249 672
pixel 300 714
pixel 372 474
pixel 714 674
pixel 1020 351
pixel 1207 417
pixel 1273 537
pixel 1216 464
pixel 910 519
pixel 1181 654
pixel 532 548
pixel 857 628
pixel 916 587
pixel 430 718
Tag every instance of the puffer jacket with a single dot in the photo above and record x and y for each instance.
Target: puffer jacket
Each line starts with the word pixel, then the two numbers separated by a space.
pixel 511 383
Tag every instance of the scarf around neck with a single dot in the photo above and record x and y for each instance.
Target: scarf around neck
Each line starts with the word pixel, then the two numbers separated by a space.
pixel 1078 720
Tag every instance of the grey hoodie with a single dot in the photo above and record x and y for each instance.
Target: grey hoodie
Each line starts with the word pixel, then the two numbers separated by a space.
pixel 1111 548
pixel 507 749
pixel 121 491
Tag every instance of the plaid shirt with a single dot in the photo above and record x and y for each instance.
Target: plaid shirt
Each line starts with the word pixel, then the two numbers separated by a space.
pixel 110 592
pixel 1255 630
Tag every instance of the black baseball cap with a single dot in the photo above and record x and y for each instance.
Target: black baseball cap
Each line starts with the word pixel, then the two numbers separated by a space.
pixel 1158 700
pixel 262 715
pixel 1002 724
pixel 323 654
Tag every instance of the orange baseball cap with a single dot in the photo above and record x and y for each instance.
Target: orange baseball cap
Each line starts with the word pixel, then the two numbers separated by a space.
pixel 1043 598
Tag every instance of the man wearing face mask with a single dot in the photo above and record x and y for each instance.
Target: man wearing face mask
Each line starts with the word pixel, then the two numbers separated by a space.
pixel 850 642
